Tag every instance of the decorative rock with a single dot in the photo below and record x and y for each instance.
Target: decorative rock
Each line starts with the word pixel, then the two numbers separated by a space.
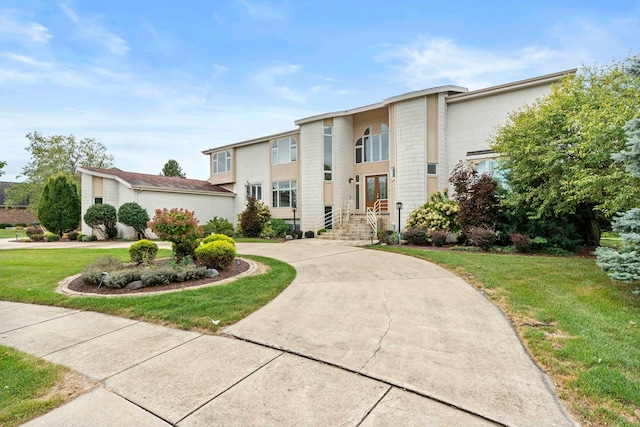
pixel 210 273
pixel 134 286
pixel 288 237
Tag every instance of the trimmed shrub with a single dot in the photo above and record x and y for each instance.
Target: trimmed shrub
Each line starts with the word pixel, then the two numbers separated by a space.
pixel 217 225
pixel 50 237
pixel 4 225
pixel 218 254
pixel 275 227
pixel 219 237
pixel 521 243
pixel 35 234
pixel 481 237
pixel 438 238
pixel 178 226
pixel 103 219
pixel 73 235
pixel 322 230
pixel 143 252
pixel 88 238
pixel 134 215
pixel 416 236
pixel 20 224
pixel 309 234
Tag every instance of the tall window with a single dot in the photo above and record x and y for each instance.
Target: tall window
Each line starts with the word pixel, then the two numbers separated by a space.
pixel 222 162
pixel 328 153
pixel 373 148
pixel 255 191
pixel 284 151
pixel 284 194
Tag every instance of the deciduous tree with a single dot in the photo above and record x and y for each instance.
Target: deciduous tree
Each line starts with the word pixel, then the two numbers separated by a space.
pixel 557 152
pixel 50 155
pixel 59 205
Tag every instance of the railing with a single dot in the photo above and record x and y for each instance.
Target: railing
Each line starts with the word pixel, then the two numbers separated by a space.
pixel 374 212
pixel 336 217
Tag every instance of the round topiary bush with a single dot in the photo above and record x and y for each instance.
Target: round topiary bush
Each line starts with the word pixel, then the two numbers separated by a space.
pixel 416 236
pixel 309 234
pixel 143 251
pixel 218 254
pixel 219 237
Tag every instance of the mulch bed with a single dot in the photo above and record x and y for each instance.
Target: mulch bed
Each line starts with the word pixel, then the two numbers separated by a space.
pixel 78 286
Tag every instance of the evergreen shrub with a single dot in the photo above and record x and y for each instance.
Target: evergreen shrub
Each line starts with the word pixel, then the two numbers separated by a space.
pixel 143 251
pixel 217 254
pixel 416 236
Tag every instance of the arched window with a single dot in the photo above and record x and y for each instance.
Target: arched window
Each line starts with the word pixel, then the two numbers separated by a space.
pixel 222 162
pixel 284 150
pixel 373 147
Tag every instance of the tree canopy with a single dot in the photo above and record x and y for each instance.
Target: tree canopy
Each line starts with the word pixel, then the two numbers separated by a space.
pixel 557 152
pixel 172 168
pixel 2 165
pixel 50 155
pixel 59 205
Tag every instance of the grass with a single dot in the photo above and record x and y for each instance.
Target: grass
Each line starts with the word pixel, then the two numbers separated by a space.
pixel 31 276
pixel 24 385
pixel 256 240
pixel 581 327
pixel 7 233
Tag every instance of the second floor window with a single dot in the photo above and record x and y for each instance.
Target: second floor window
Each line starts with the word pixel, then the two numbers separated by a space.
pixel 222 162
pixel 373 148
pixel 284 150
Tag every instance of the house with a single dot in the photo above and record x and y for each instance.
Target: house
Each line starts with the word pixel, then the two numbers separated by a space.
pixel 19 214
pixel 152 192
pixel 369 161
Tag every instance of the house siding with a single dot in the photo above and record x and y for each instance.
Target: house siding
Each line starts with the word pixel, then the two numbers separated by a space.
pixel 310 185
pixel 252 163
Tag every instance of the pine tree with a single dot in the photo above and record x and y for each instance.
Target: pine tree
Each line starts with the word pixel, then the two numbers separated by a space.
pixel 624 265
pixel 59 205
pixel 172 168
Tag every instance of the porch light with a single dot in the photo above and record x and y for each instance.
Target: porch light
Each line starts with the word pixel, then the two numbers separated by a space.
pixel 399 207
pixel 293 208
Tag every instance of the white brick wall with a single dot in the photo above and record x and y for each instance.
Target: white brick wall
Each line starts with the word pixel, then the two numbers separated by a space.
pixel 86 191
pixel 410 123
pixel 252 163
pixel 310 187
pixel 443 152
pixel 343 150
pixel 470 124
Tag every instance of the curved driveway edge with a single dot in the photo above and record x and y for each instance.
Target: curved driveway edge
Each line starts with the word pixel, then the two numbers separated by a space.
pixel 406 322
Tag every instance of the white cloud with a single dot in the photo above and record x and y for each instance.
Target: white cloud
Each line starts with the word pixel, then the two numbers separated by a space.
pixel 265 11
pixel 268 78
pixel 30 31
pixel 90 29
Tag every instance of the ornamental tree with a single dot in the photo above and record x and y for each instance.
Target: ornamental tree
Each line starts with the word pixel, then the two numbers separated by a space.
pixel 557 152
pixel 178 226
pixel 476 197
pixel 134 215
pixel 59 205
pixel 103 219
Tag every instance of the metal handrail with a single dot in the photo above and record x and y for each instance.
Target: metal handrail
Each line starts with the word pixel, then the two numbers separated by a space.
pixel 374 213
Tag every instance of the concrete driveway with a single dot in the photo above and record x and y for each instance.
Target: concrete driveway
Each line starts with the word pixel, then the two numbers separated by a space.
pixel 360 337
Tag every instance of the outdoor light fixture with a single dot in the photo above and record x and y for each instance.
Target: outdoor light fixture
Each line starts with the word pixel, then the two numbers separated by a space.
pixel 399 207
pixel 102 277
pixel 237 264
pixel 350 180
pixel 371 235
pixel 293 208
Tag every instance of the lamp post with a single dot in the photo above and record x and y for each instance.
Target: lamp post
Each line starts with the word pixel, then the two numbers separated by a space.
pixel 293 208
pixel 399 207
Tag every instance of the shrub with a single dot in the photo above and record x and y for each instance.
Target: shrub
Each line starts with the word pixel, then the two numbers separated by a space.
pixel 35 234
pixel 275 227
pixel 249 221
pixel 73 235
pixel 89 238
pixel 521 243
pixel 59 205
pixel 297 234
pixel 387 237
pixel 143 251
pixel 322 230
pixel 134 215
pixel 438 214
pixel 4 225
pixel 103 219
pixel 20 224
pixel 416 236
pixel 91 274
pixel 438 238
pixel 218 254
pixel 219 237
pixel 309 234
pixel 178 226
pixel 476 197
pixel 481 237
pixel 50 237
pixel 217 225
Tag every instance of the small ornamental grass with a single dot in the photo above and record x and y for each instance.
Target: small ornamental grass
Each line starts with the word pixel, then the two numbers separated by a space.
pixel 218 254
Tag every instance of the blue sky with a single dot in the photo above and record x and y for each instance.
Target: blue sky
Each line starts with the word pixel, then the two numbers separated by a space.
pixel 159 80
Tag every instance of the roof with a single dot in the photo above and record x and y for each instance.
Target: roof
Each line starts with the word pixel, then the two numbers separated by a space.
pixel 252 141
pixel 3 186
pixel 141 181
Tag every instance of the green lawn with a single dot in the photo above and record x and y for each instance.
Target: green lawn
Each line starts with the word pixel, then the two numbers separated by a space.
pixel 581 327
pixel 7 233
pixel 24 382
pixel 31 275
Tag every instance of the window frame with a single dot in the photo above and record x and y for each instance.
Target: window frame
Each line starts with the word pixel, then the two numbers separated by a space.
pixel 226 162
pixel 372 148
pixel 327 142
pixel 278 188
pixel 279 152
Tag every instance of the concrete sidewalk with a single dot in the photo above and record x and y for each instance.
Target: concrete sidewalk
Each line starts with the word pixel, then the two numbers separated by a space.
pixel 360 337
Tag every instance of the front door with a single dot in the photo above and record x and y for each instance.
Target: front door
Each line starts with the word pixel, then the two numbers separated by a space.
pixel 376 189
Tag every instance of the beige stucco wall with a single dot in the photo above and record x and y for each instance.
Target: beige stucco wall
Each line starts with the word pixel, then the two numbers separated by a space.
pixel 226 177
